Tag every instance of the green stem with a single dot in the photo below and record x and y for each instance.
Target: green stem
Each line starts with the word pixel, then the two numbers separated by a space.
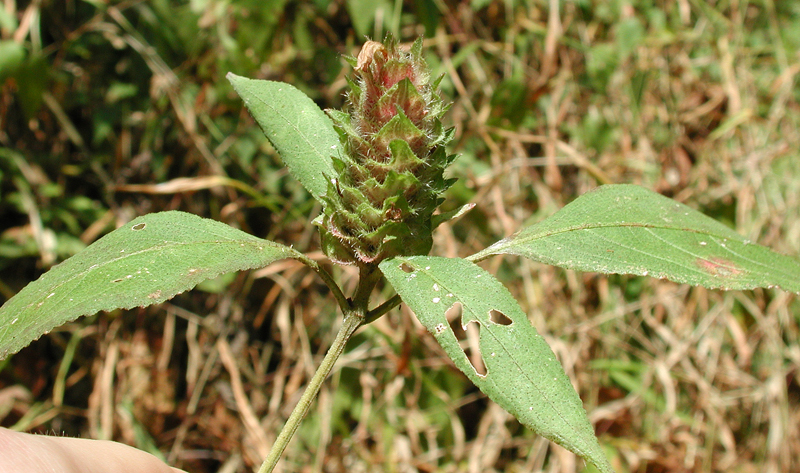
pixel 352 320
pixel 367 279
pixel 343 302
pixel 354 311
pixel 479 256
pixel 382 309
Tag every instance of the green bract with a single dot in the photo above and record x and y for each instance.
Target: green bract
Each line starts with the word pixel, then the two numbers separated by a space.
pixel 380 202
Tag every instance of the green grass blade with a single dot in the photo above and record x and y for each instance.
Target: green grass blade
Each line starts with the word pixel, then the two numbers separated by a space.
pixel 521 372
pixel 147 261
pixel 297 128
pixel 627 229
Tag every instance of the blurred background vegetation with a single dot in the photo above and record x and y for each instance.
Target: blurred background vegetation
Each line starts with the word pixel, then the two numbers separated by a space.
pixel 109 110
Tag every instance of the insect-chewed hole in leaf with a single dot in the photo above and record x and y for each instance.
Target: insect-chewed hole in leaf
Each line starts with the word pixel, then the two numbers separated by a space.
pixel 406 268
pixel 453 314
pixel 139 226
pixel 499 318
pixel 468 338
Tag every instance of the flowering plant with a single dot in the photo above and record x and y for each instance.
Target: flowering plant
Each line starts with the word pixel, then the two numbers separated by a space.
pixel 378 168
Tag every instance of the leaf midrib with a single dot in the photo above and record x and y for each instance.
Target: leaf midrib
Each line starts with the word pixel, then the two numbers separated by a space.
pixel 159 247
pixel 514 240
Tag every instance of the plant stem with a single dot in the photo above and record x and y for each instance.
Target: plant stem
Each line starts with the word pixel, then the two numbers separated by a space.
pixel 354 310
pixel 382 309
pixel 368 277
pixel 344 304
pixel 353 318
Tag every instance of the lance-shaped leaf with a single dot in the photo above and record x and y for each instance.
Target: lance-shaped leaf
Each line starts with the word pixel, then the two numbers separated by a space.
pixel 145 262
pixel 297 128
pixel 628 229
pixel 521 372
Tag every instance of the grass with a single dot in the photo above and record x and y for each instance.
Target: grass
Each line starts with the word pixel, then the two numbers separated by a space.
pixel 696 100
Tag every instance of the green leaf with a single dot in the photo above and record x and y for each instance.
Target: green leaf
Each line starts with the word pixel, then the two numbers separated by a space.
pixel 627 229
pixel 32 78
pixel 297 128
pixel 147 261
pixel 12 55
pixel 521 374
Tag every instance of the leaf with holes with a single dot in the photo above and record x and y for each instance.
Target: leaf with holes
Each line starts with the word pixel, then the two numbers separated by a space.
pixel 628 229
pixel 520 371
pixel 296 127
pixel 147 261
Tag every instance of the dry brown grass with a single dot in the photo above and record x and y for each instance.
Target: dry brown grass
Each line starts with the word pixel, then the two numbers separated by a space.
pixel 676 379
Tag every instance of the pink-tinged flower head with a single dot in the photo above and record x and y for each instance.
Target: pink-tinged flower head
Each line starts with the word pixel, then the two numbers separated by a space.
pixel 388 181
